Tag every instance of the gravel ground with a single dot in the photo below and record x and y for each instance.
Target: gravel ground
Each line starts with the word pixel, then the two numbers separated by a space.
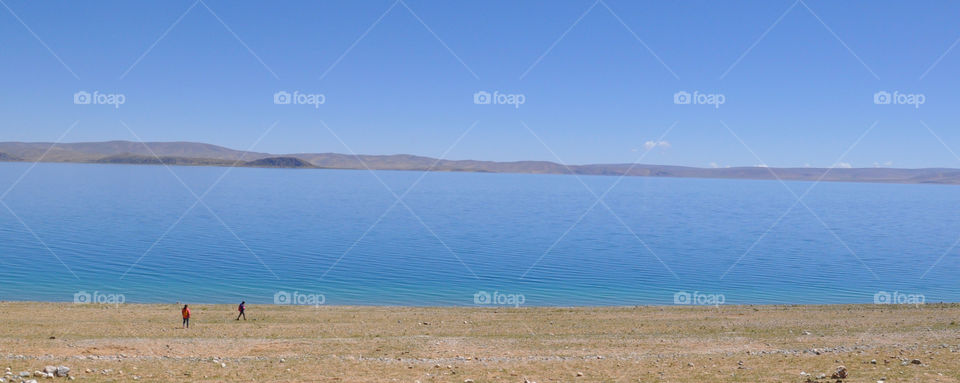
pixel 145 343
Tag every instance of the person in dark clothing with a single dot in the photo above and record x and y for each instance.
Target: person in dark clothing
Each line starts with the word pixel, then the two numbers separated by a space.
pixel 186 316
pixel 243 310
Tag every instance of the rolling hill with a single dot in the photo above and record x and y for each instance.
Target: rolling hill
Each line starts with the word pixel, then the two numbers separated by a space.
pixel 199 154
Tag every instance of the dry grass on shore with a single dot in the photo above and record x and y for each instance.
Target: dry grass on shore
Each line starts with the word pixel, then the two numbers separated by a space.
pixel 409 344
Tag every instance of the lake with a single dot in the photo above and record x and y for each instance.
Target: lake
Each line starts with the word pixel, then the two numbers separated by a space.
pixel 337 237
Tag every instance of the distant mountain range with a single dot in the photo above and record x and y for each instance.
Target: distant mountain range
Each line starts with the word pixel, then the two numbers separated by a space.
pixel 198 154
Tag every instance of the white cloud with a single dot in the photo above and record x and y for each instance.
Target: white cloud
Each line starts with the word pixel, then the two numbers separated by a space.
pixel 714 165
pixel 883 164
pixel 761 166
pixel 843 165
pixel 655 144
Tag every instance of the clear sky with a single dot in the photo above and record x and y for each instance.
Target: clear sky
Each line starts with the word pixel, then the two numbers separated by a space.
pixel 597 79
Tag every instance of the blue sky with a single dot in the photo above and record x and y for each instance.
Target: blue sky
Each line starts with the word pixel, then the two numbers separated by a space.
pixel 598 78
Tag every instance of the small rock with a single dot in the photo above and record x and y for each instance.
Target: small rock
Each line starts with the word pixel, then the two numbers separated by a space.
pixel 223 365
pixel 873 361
pixel 916 361
pixel 579 373
pixel 49 369
pixel 840 374
pixel 62 371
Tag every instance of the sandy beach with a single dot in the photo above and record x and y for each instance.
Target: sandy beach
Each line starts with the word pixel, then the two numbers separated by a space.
pixel 132 342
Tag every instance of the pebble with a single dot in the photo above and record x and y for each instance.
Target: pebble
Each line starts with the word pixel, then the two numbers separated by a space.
pixel 840 374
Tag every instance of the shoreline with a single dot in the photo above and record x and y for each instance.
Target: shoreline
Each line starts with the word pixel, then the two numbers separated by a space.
pixel 489 307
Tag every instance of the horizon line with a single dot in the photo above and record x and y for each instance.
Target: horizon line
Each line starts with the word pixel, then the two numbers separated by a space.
pixel 761 166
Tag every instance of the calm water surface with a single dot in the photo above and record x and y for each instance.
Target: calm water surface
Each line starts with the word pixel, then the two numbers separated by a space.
pixel 138 231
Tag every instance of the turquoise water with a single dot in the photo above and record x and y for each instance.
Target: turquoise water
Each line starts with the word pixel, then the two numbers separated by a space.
pixel 275 231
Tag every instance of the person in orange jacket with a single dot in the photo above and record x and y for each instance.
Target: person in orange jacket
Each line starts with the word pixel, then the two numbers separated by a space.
pixel 186 316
